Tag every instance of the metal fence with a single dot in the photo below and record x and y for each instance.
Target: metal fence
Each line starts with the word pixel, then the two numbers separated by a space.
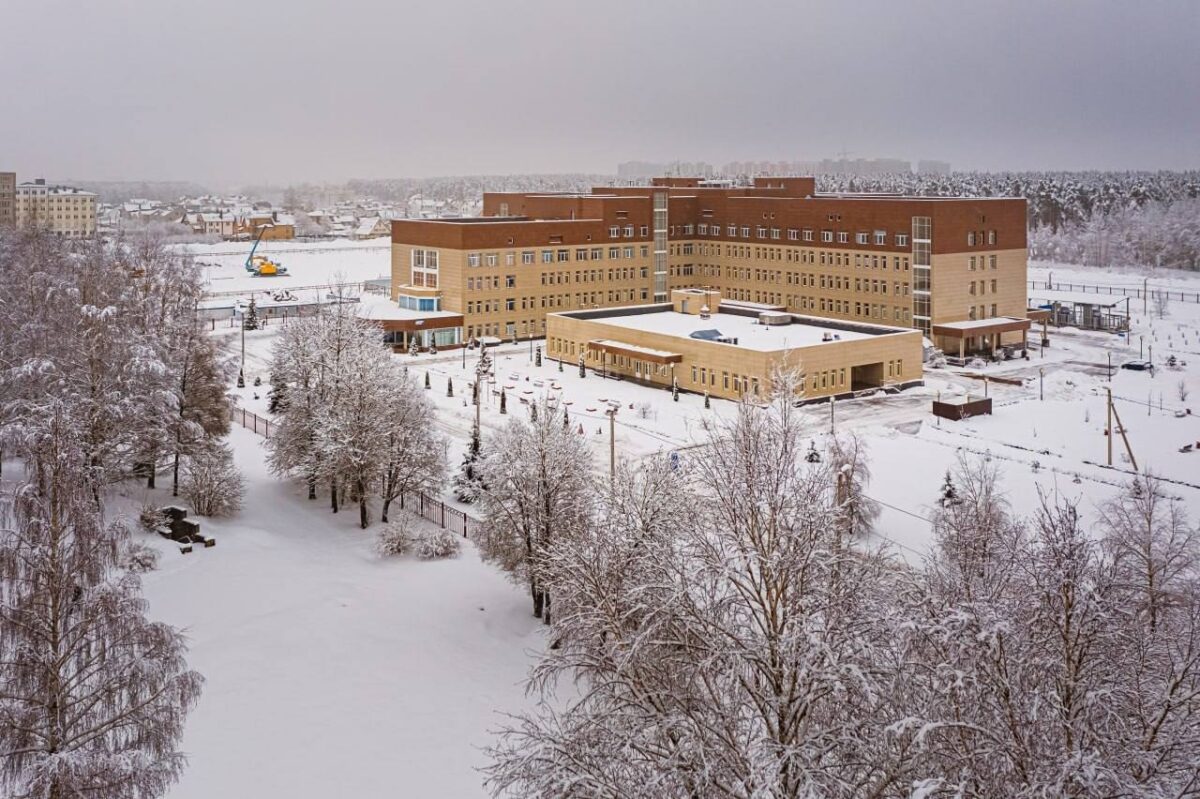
pixel 1117 291
pixel 425 506
pixel 252 421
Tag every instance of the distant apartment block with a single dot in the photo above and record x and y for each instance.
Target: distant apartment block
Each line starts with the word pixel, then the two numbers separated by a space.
pixel 953 268
pixel 8 199
pixel 62 210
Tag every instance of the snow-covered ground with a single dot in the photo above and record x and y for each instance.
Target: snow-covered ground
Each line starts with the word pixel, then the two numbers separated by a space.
pixel 404 665
pixel 308 263
pixel 331 671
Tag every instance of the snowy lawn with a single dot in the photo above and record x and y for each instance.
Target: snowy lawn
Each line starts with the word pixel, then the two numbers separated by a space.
pixel 308 263
pixel 330 671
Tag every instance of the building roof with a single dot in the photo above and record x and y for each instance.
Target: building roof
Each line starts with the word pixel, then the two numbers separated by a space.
pixel 802 332
pixel 1076 298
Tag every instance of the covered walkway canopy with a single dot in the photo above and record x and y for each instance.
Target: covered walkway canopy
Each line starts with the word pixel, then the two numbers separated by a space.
pixel 982 328
pixel 634 351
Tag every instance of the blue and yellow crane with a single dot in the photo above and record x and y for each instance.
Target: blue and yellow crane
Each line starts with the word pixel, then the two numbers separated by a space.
pixel 261 265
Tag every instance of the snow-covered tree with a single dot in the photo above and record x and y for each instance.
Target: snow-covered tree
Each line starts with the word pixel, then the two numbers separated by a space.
pixel 535 491
pixel 414 455
pixel 851 474
pixel 93 696
pixel 725 642
pixel 212 483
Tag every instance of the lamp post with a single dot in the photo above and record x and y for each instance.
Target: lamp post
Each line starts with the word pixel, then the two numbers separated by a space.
pixel 241 382
pixel 612 442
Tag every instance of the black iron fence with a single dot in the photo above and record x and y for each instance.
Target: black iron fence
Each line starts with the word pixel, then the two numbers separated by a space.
pixel 1117 291
pixel 445 516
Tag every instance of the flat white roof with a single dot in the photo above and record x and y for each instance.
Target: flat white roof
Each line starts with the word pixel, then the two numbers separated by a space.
pixel 973 324
pixel 750 334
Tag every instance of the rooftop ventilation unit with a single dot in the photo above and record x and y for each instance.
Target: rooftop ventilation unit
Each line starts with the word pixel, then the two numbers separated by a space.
pixel 774 319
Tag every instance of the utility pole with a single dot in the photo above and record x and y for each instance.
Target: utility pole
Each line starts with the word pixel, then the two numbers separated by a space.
pixel 1110 366
pixel 1109 427
pixel 1141 340
pixel 1145 295
pixel 1041 383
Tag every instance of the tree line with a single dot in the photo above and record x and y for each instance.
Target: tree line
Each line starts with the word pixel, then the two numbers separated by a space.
pixel 105 376
pixel 722 628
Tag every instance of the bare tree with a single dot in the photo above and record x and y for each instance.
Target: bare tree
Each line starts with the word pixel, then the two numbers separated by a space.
pixel 212 483
pixel 415 457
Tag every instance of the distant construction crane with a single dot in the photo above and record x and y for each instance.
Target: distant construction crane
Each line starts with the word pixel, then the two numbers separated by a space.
pixel 261 265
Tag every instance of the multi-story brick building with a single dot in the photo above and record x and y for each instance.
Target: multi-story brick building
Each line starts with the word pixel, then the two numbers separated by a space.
pixel 941 265
pixel 8 199
pixel 58 209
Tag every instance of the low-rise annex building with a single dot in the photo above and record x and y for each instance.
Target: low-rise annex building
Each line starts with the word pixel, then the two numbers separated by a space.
pixel 733 349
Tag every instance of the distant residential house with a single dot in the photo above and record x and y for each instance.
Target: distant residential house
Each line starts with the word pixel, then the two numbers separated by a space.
pixel 274 226
pixel 372 228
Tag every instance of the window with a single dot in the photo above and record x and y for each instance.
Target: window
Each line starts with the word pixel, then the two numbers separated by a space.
pixel 581 255
pixel 732 230
pixel 827 236
pixel 563 255
pixel 808 234
pixel 745 231
pixel 793 234
pixel 971 238
pixel 629 231
pixel 992 261
pixel 761 231
pixel 774 232
pixel 472 259
pixel 971 263
pixel 993 286
pixel 860 238
pixel 991 237
pixel 843 237
pixel 510 281
pixel 527 257
pixel 614 232
pixel 880 237
pixel 491 259
pixel 547 256
pixel 643 231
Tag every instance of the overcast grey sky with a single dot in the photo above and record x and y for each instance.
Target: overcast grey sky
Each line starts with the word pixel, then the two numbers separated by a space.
pixel 244 91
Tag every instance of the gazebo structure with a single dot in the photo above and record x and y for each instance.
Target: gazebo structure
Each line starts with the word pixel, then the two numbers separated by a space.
pixel 982 335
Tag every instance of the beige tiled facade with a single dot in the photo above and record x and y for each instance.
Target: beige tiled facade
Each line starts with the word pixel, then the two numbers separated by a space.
pixel 872 259
pixel 8 199
pixel 886 357
pixel 61 210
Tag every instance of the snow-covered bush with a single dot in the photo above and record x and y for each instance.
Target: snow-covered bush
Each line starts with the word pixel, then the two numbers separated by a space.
pixel 152 519
pixel 396 537
pixel 212 483
pixel 139 558
pixel 437 544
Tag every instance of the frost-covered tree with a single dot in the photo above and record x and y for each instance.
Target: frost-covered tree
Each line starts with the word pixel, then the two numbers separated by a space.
pixel 93 695
pixel 851 474
pixel 212 483
pixel 1055 661
pixel 725 641
pixel 535 492
pixel 414 455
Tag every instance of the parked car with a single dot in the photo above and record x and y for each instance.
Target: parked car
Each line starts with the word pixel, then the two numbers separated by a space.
pixel 1138 366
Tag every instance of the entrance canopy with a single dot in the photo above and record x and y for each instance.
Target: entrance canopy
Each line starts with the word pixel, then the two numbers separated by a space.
pixel 981 327
pixel 634 351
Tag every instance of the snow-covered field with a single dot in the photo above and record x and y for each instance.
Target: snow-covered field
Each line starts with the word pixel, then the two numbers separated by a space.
pixel 308 263
pixel 404 665
pixel 331 671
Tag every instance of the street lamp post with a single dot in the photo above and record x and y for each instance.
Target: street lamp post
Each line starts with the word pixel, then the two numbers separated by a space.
pixel 612 443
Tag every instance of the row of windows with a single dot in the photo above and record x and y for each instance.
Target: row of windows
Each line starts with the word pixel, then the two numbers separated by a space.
pixel 982 287
pixel 973 314
pixel 827 379
pixel 553 302
pixel 529 257
pixel 991 262
pixel 878 238
pixel 978 237
pixel 616 231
